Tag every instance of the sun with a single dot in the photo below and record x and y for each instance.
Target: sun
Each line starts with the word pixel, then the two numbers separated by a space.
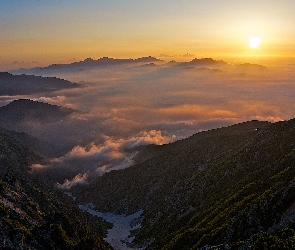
pixel 254 42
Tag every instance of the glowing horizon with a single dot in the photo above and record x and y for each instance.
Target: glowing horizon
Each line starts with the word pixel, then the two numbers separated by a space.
pixel 39 32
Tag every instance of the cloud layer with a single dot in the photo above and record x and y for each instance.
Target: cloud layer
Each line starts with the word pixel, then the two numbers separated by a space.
pixel 128 106
pixel 94 160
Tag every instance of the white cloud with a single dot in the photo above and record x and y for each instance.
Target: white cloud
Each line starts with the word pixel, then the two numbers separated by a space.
pixel 97 159
pixel 78 179
pixel 125 107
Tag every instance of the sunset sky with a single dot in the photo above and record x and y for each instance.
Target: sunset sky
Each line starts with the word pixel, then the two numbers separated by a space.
pixel 133 104
pixel 36 32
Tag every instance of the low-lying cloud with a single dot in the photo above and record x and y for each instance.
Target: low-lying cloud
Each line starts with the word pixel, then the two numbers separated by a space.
pixel 126 106
pixel 78 179
pixel 55 100
pixel 92 160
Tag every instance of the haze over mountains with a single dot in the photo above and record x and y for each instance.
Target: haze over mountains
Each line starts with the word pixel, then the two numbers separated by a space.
pixel 124 106
pixel 88 64
pixel 23 110
pixel 225 188
pixel 133 115
pixel 38 118
pixel 30 84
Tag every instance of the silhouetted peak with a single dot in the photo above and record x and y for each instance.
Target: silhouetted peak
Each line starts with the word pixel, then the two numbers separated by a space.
pixel 29 84
pixel 251 65
pixel 26 108
pixel 206 61
pixel 106 59
pixel 25 103
pixel 147 59
pixel 203 62
pixel 89 59
pixel 5 74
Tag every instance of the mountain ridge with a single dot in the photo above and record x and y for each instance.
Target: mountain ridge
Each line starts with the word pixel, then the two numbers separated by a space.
pixel 34 215
pixel 88 63
pixel 41 120
pixel 203 193
pixel 29 84
pixel 27 109
pixel 149 61
pixel 249 125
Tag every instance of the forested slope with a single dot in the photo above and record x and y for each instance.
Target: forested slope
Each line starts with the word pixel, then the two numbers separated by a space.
pixel 223 187
pixel 34 215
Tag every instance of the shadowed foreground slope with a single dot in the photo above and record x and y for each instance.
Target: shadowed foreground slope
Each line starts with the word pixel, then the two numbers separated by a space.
pixel 33 215
pixel 216 188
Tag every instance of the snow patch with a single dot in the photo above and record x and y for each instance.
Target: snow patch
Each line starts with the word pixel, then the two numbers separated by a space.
pixel 119 236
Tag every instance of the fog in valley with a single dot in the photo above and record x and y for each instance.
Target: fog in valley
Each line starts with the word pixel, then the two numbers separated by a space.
pixel 128 105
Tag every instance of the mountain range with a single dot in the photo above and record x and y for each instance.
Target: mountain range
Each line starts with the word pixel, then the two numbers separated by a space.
pixel 226 188
pixel 29 84
pixel 90 64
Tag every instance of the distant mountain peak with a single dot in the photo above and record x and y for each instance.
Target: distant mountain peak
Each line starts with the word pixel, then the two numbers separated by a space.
pixel 88 59
pixel 88 63
pixel 31 103
pixel 26 109
pixel 207 62
pixel 28 84
pixel 251 66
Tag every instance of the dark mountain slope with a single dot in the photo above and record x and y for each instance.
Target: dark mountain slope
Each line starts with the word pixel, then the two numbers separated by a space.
pixel 42 148
pixel 27 110
pixel 166 165
pixel 203 62
pixel 214 136
pixel 44 121
pixel 15 157
pixel 30 84
pixel 219 187
pixel 33 215
pixel 86 64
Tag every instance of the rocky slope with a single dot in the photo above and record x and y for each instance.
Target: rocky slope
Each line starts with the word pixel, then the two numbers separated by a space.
pixel 228 187
pixel 34 215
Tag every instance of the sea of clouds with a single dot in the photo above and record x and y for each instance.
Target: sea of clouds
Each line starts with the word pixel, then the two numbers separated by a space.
pixel 124 107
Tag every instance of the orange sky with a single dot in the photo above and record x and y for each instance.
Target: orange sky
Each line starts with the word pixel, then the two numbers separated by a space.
pixel 42 32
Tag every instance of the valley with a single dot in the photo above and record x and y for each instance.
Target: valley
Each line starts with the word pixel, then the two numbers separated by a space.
pixel 187 155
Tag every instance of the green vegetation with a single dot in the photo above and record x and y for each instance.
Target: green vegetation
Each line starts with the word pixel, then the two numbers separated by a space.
pixel 283 239
pixel 34 215
pixel 229 188
pixel 223 188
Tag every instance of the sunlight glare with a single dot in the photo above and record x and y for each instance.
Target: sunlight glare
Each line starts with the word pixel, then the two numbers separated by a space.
pixel 254 42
